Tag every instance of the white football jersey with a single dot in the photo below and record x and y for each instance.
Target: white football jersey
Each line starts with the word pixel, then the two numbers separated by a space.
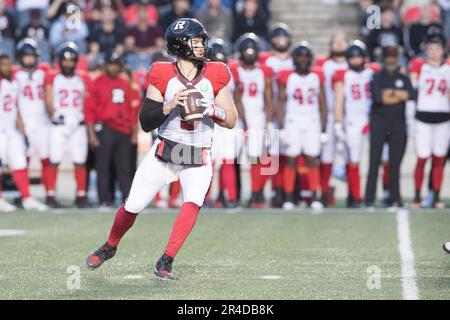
pixel 8 104
pixel 31 96
pixel 358 99
pixel 433 87
pixel 302 92
pixel 330 67
pixel 252 85
pixel 68 94
pixel 168 80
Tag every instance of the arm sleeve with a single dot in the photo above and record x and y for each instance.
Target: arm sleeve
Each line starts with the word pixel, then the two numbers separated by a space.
pixel 91 101
pixel 151 116
pixel 375 89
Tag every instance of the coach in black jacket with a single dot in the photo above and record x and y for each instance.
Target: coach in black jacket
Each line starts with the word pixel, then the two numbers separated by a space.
pixel 390 90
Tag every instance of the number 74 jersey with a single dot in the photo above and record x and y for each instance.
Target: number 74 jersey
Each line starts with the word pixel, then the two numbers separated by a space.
pixel 433 86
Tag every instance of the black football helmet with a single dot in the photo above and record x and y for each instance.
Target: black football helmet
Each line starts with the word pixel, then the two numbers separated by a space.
pixel 302 57
pixel 280 30
pixel 27 46
pixel 179 36
pixel 218 50
pixel 248 46
pixel 356 49
pixel 68 51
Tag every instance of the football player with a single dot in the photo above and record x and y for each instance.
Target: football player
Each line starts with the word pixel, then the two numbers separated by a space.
pixel 303 113
pixel 432 126
pixel 336 61
pixel 182 148
pixel 65 94
pixel 253 96
pixel 31 81
pixel 227 143
pixel 12 142
pixel 279 58
pixel 352 106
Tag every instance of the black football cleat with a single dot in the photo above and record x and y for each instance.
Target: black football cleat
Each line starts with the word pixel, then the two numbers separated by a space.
pixel 163 268
pixel 446 247
pixel 96 259
pixel 52 203
pixel 82 203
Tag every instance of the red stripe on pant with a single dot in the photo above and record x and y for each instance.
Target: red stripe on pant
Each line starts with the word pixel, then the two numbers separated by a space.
pixel 438 172
pixel 419 173
pixel 22 182
pixel 325 175
pixel 123 221
pixel 182 227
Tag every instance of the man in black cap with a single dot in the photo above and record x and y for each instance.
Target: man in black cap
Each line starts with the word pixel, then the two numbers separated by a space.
pixel 390 90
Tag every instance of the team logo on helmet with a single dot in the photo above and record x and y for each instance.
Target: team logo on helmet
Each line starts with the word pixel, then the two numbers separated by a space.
pixel 180 26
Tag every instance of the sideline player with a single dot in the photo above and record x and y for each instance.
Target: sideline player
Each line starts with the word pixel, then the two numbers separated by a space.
pixel 65 94
pixel 303 115
pixel 253 96
pixel 227 143
pixel 336 61
pixel 186 39
pixel 31 81
pixel 279 58
pixel 352 106
pixel 432 126
pixel 12 142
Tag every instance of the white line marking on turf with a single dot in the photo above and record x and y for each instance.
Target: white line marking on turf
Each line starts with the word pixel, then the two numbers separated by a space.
pixel 409 286
pixel 11 232
pixel 274 277
pixel 134 276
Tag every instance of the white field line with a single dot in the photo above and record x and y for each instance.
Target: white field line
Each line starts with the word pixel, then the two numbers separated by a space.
pixel 409 285
pixel 11 232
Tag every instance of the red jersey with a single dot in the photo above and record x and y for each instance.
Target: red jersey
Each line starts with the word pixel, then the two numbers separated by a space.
pixel 111 101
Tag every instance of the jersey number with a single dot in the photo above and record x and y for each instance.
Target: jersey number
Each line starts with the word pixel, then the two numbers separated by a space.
pixel 28 92
pixel 252 89
pixel 300 97
pixel 65 100
pixel 7 103
pixel 357 91
pixel 442 87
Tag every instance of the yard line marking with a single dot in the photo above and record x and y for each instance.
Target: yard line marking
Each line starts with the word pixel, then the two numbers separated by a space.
pixel 11 232
pixel 134 276
pixel 271 277
pixel 409 285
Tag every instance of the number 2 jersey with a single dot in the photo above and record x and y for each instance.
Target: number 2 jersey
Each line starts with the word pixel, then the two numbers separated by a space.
pixel 8 104
pixel 166 77
pixel 69 93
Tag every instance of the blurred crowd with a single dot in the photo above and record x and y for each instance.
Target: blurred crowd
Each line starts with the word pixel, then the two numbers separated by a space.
pixel 404 23
pixel 133 28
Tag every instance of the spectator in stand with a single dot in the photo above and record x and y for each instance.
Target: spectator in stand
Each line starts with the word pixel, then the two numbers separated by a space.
pixel 93 12
pixel 144 38
pixel 388 34
pixel 445 12
pixel 35 29
pixel 131 15
pixel 217 19
pixel 179 9
pixel 58 8
pixel 416 32
pixel 67 28
pixel 109 35
pixel 7 23
pixel 251 19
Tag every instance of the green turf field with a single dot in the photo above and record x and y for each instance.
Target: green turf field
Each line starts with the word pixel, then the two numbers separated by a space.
pixel 305 255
